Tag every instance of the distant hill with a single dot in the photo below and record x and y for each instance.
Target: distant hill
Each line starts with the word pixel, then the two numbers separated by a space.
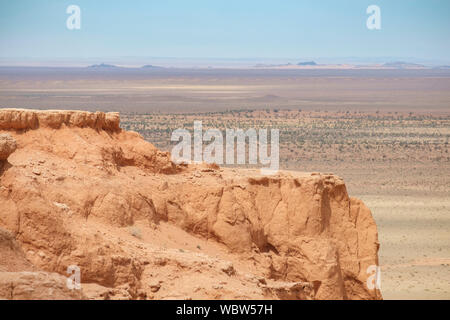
pixel 402 65
pixel 102 65
pixel 307 63
pixel 149 66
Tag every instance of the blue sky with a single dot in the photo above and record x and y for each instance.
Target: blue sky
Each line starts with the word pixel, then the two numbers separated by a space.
pixel 225 29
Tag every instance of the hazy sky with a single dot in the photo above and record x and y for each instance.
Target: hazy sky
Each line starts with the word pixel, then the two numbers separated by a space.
pixel 226 29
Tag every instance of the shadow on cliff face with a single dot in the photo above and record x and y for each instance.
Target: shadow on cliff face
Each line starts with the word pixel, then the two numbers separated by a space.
pixel 4 166
pixel 7 146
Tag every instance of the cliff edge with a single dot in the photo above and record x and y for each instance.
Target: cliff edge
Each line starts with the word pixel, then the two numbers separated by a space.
pixel 75 189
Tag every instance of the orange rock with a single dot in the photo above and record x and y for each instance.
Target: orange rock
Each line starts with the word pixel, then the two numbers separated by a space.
pixel 23 119
pixel 7 146
pixel 299 232
pixel 19 280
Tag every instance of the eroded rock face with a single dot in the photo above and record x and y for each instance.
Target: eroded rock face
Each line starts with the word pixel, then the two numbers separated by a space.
pixel 306 224
pixel 36 286
pixel 12 258
pixel 23 119
pixel 19 279
pixel 7 146
pixel 70 197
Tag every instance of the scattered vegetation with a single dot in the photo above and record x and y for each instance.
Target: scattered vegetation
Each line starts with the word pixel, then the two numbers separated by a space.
pixel 319 136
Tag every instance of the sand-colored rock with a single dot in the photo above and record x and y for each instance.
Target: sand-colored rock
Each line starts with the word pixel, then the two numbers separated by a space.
pixel 12 258
pixel 24 119
pixel 19 279
pixel 7 146
pixel 288 236
pixel 36 286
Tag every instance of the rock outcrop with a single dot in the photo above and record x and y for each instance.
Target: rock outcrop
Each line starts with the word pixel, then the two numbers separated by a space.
pixel 77 184
pixel 24 119
pixel 36 286
pixel 7 146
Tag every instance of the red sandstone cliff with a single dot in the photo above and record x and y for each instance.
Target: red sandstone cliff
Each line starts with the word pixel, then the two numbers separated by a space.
pixel 77 190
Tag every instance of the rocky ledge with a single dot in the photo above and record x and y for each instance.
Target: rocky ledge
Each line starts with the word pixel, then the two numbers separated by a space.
pixel 23 119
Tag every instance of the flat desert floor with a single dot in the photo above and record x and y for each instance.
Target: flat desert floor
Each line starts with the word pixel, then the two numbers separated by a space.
pixel 386 132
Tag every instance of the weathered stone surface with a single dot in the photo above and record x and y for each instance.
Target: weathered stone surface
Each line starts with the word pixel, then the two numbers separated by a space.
pixel 19 279
pixel 24 119
pixel 300 232
pixel 36 286
pixel 7 146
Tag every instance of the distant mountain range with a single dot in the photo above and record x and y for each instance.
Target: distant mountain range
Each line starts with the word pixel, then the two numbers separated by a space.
pixel 313 65
pixel 112 66
pixel 149 66
pixel 403 65
pixel 102 65
pixel 307 63
pixel 300 65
